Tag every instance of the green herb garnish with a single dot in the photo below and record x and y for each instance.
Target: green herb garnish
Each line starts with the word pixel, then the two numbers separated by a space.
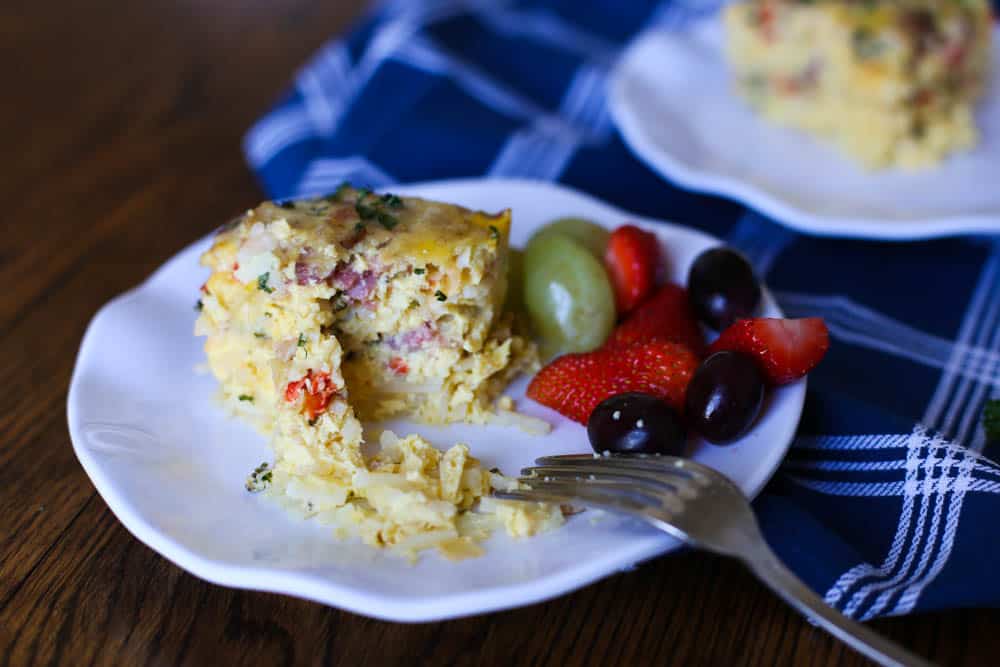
pixel 419 272
pixel 366 212
pixel 199 305
pixel 246 397
pixel 302 341
pixel 338 302
pixel 259 479
pixel 259 334
pixel 440 296
pixel 359 226
pixel 991 419
pixel 866 45
pixel 262 282
pixel 392 201
pixel 288 204
pixel 376 210
pixel 386 220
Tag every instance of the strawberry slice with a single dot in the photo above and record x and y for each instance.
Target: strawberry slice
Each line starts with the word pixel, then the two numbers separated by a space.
pixel 785 349
pixel 574 384
pixel 631 258
pixel 667 315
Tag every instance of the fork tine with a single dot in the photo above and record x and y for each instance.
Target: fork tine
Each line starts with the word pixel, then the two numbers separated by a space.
pixel 593 495
pixel 670 465
pixel 651 493
pixel 597 472
pixel 612 488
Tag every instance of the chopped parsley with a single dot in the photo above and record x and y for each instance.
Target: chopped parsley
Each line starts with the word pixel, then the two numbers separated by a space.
pixel 386 220
pixel 392 201
pixel 199 306
pixel 246 397
pixel 494 232
pixel 366 212
pixel 419 272
pixel 991 419
pixel 259 334
pixel 376 210
pixel 359 227
pixel 262 282
pixel 866 45
pixel 440 296
pixel 302 341
pixel 288 203
pixel 338 302
pixel 259 479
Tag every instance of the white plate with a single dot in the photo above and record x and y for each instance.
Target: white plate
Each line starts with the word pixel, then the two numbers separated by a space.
pixel 171 466
pixel 672 99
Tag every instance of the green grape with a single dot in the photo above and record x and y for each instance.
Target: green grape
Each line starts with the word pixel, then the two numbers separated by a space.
pixel 590 234
pixel 567 294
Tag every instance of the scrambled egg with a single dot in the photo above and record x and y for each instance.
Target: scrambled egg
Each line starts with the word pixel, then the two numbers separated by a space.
pixel 892 82
pixel 321 313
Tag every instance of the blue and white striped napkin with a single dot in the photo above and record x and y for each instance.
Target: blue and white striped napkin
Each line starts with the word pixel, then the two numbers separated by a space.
pixel 887 501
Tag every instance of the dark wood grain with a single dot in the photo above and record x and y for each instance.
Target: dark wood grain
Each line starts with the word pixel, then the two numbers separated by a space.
pixel 121 126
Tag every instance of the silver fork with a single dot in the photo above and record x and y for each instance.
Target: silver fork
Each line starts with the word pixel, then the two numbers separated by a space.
pixel 701 507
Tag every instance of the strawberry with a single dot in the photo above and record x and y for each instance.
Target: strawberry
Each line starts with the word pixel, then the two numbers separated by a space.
pixel 666 315
pixel 785 349
pixel 631 258
pixel 574 384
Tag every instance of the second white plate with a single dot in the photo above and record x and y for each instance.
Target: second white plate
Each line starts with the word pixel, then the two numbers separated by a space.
pixel 672 99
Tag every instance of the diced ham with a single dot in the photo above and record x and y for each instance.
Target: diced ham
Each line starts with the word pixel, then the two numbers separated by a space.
pixel 306 273
pixel 355 285
pixel 414 339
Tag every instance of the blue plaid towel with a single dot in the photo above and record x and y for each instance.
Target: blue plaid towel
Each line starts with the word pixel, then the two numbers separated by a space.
pixel 887 499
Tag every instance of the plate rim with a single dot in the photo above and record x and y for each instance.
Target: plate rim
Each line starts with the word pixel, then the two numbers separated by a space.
pixel 319 589
pixel 788 214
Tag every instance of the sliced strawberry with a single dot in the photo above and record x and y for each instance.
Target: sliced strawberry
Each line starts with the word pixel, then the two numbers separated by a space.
pixel 632 258
pixel 667 315
pixel 785 349
pixel 575 383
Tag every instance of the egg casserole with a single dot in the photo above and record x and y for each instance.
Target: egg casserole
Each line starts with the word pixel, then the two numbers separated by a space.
pixel 324 312
pixel 892 82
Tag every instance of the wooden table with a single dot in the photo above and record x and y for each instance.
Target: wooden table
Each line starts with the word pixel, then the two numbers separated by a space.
pixel 121 128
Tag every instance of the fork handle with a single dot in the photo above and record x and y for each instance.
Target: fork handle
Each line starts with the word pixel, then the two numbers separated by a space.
pixel 769 569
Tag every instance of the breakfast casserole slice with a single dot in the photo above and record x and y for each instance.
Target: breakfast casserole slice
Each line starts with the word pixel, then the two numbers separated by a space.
pixel 893 82
pixel 324 312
